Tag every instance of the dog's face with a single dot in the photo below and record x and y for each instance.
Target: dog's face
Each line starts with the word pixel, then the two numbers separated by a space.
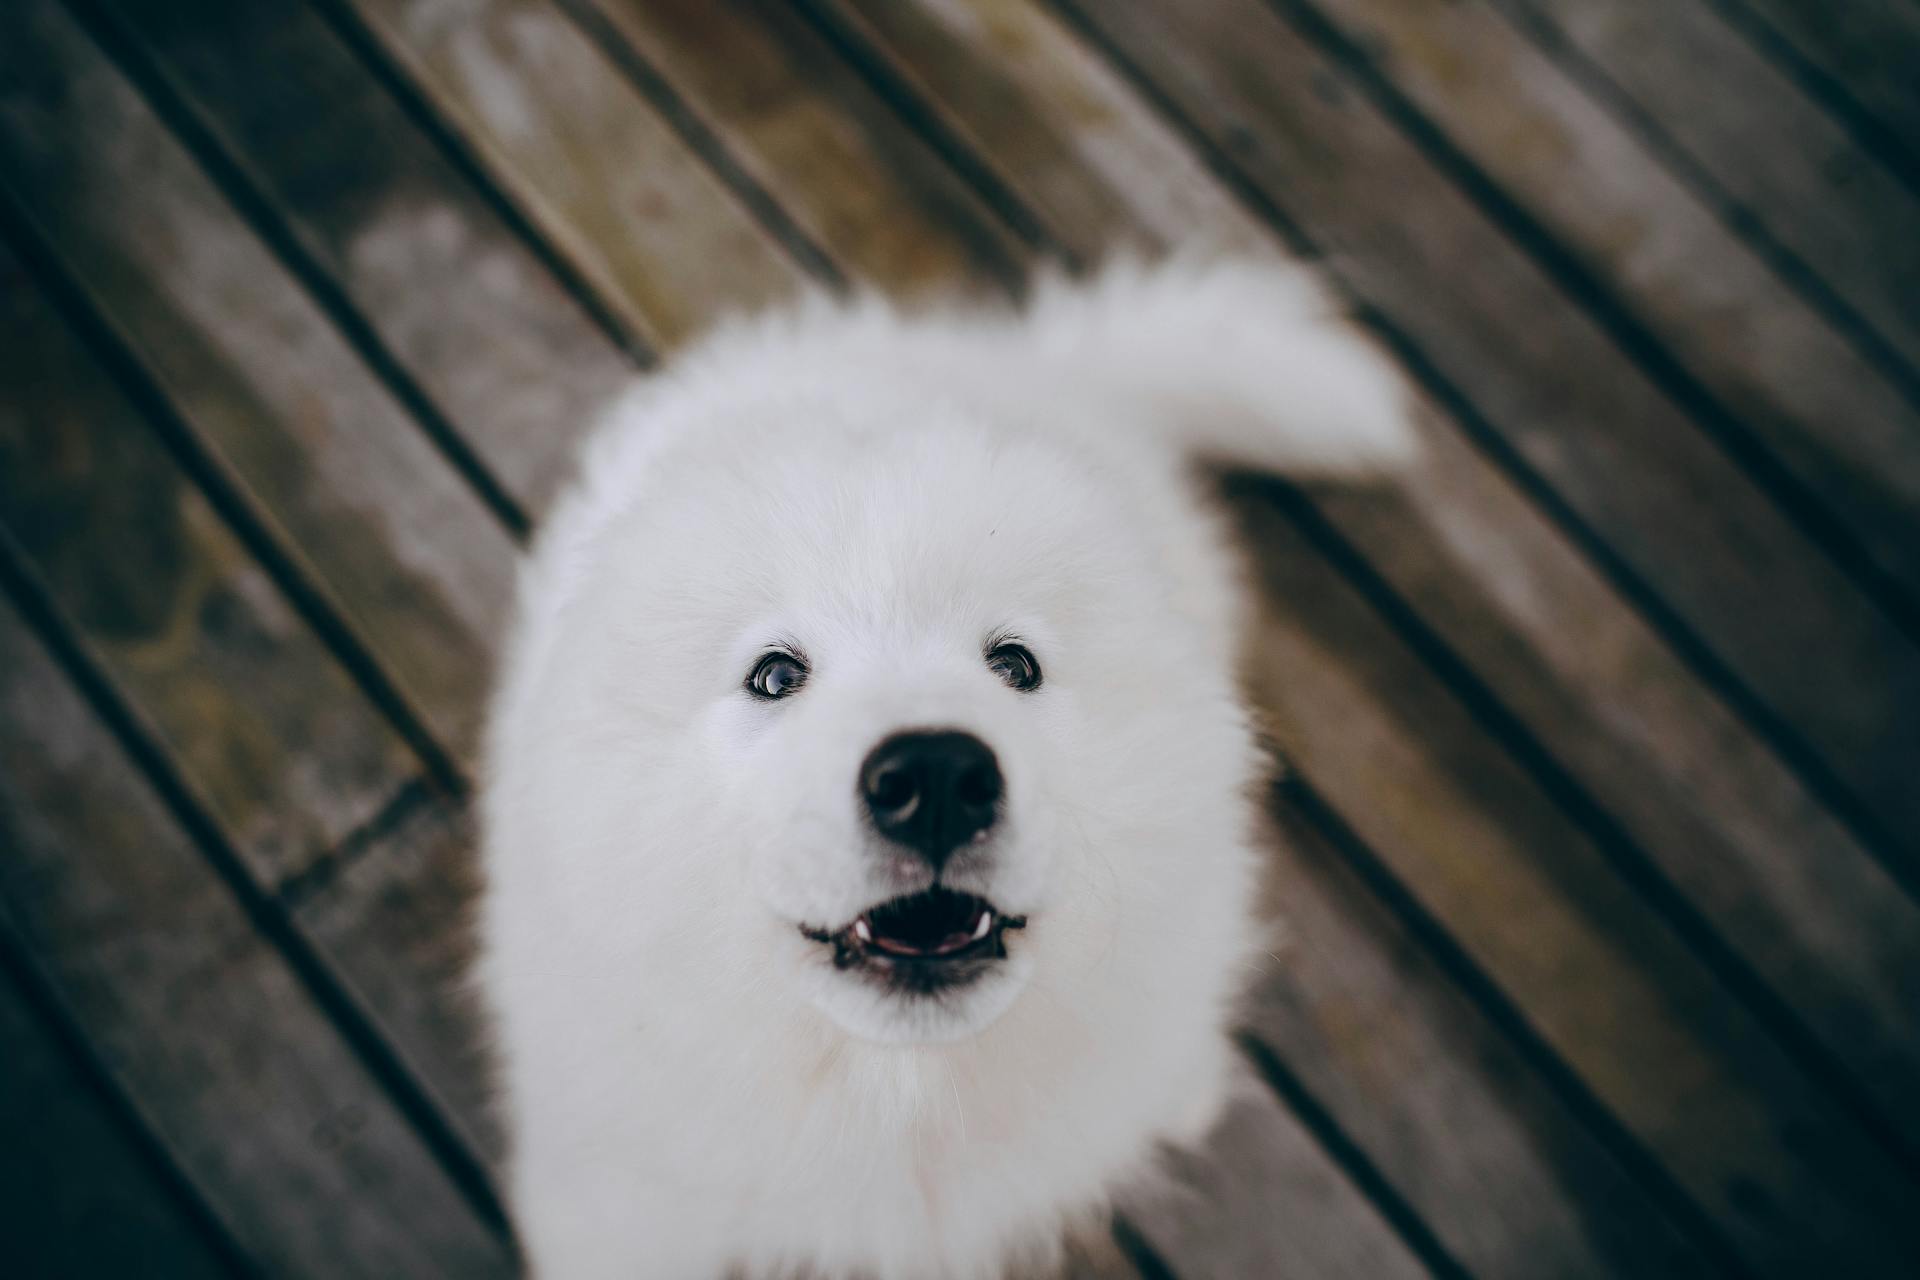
pixel 904 725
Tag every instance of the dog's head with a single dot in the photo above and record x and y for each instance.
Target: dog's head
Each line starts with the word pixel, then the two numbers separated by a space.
pixel 905 719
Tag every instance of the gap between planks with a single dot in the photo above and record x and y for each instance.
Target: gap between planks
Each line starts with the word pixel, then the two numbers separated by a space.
pixel 320 872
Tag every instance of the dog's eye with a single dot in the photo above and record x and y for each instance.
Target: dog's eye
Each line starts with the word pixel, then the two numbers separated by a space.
pixel 776 675
pixel 1012 663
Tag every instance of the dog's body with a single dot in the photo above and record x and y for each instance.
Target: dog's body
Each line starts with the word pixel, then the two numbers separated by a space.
pixel 869 817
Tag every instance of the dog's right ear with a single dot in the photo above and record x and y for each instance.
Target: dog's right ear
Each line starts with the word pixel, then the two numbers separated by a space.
pixel 1242 362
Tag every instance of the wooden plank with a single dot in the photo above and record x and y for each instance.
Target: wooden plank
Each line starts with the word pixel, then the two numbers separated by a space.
pixel 1592 438
pixel 1785 1174
pixel 82 1195
pixel 1859 58
pixel 1780 171
pixel 1712 828
pixel 1585 689
pixel 1039 109
pixel 1261 1164
pixel 289 754
pixel 594 167
pixel 1502 1167
pixel 206 1027
pixel 396 911
pixel 875 199
pixel 426 259
pixel 318 449
pixel 1827 432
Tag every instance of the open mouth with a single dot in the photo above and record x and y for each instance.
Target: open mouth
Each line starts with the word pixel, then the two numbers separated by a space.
pixel 922 941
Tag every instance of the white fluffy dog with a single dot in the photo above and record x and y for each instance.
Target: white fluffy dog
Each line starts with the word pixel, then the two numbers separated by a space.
pixel 869 827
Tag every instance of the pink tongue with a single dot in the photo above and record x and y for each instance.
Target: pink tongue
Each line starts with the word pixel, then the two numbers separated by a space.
pixel 952 942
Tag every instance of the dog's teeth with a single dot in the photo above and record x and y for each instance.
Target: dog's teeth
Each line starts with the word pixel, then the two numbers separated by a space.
pixel 982 925
pixel 862 930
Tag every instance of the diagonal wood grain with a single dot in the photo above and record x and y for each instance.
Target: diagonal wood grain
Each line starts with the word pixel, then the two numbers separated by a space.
pixel 598 172
pixel 83 1195
pixel 1690 1071
pixel 1780 171
pixel 1505 1168
pixel 396 912
pixel 1261 1162
pixel 1589 434
pixel 1857 59
pixel 885 209
pixel 431 264
pixel 1812 421
pixel 372 512
pixel 295 1144
pixel 288 753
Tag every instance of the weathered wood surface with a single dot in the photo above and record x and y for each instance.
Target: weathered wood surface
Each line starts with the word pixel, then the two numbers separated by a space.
pixel 577 144
pixel 415 561
pixel 1858 58
pixel 1779 170
pixel 458 296
pixel 395 908
pixel 1606 447
pixel 87 1192
pixel 1259 1160
pixel 1527 896
pixel 298 1148
pixel 1814 420
pixel 1600 962
pixel 877 202
pixel 1497 1163
pixel 289 755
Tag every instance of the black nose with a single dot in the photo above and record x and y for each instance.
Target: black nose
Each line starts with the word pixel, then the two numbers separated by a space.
pixel 931 791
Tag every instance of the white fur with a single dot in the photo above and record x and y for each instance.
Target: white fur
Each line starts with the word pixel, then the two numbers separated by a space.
pixel 692 1086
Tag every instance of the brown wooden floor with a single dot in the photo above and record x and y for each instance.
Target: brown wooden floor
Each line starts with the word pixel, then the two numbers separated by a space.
pixel 1603 850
